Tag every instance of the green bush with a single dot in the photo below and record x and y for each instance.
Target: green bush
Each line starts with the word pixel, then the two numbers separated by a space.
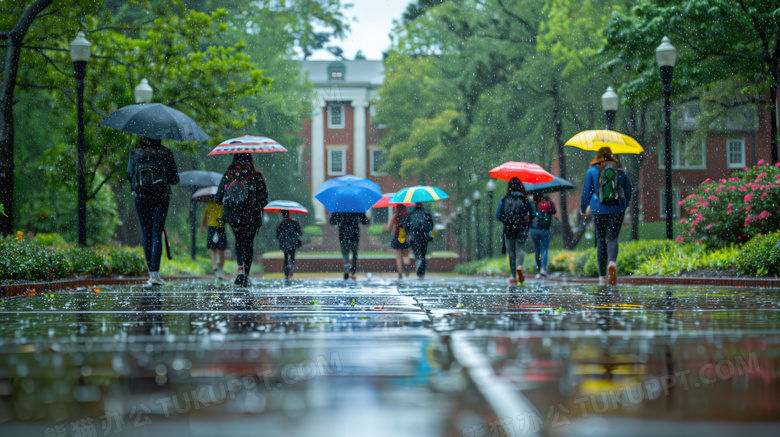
pixel 635 253
pixel 88 260
pixel 126 261
pixel 761 256
pixel 585 263
pixel 22 259
pixel 313 230
pixel 375 229
pixel 50 239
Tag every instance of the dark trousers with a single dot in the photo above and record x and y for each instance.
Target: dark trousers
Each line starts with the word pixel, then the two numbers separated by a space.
pixel 420 248
pixel 152 212
pixel 607 233
pixel 348 246
pixel 289 262
pixel 245 244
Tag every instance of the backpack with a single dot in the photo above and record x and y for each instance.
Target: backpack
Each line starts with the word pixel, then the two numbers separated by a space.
pixel 544 216
pixel 237 194
pixel 515 212
pixel 609 190
pixel 147 174
pixel 420 223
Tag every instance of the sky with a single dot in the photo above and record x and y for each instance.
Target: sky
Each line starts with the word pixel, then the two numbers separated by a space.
pixel 371 22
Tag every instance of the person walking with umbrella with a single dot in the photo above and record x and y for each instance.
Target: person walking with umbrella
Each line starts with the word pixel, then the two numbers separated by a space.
pixel 151 171
pixel 420 225
pixel 399 243
pixel 349 238
pixel 216 239
pixel 515 212
pixel 243 194
pixel 540 232
pixel 289 235
pixel 606 193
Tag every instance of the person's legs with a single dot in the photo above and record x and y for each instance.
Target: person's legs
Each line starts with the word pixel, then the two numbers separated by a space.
pixel 420 250
pixel 158 227
pixel 519 250
pixel 354 249
pixel 601 222
pixel 536 238
pixel 145 214
pixel 545 244
pixel 612 234
pixel 510 251
pixel 399 262
pixel 292 263
pixel 249 251
pixel 345 257
pixel 286 265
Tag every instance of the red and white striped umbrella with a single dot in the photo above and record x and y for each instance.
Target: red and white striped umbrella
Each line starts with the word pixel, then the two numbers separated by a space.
pixel 285 205
pixel 525 171
pixel 247 144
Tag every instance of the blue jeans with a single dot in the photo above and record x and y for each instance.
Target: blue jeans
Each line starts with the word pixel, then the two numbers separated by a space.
pixel 515 249
pixel 151 213
pixel 541 239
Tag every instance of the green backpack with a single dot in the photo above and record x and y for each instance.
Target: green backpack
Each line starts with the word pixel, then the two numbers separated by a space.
pixel 609 192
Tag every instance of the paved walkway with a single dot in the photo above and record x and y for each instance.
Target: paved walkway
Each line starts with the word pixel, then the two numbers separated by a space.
pixel 441 357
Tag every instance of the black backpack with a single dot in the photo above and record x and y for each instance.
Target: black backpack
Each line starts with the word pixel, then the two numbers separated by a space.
pixel 420 223
pixel 237 195
pixel 148 174
pixel 515 213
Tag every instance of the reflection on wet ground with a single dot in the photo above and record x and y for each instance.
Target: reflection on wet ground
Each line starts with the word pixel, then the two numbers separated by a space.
pixel 386 358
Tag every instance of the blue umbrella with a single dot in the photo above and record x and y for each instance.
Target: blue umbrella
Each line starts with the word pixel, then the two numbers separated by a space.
pixel 557 184
pixel 348 194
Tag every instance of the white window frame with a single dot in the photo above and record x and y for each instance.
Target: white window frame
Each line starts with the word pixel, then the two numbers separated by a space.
pixel 730 164
pixel 371 151
pixel 343 150
pixel 675 202
pixel 331 124
pixel 676 165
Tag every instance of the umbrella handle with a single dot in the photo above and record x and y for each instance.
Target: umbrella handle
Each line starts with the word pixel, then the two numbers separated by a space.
pixel 167 245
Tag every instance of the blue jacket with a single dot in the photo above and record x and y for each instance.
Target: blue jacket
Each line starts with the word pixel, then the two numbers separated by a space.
pixel 590 193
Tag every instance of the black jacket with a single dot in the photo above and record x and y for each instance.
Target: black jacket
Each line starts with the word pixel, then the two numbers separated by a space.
pixel 252 211
pixel 289 235
pixel 163 157
pixel 348 223
pixel 419 215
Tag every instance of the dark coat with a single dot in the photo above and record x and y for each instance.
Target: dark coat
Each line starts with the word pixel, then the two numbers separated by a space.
pixel 252 211
pixel 348 223
pixel 164 161
pixel 289 235
pixel 419 234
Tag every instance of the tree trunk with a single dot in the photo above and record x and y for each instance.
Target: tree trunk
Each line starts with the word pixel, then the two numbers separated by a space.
pixel 13 52
pixel 773 121
pixel 570 240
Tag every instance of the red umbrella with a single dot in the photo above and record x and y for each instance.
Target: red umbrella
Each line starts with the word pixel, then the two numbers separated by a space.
pixel 247 144
pixel 384 202
pixel 525 171
pixel 285 205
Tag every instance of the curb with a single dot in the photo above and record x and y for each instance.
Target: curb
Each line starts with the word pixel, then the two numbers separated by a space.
pixel 23 289
pixel 681 280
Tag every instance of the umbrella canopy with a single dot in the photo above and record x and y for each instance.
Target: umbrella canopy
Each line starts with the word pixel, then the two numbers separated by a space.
pixel 593 140
pixel 525 171
pixel 285 205
pixel 557 184
pixel 384 202
pixel 157 121
pixel 204 194
pixel 247 144
pixel 418 193
pixel 348 194
pixel 199 178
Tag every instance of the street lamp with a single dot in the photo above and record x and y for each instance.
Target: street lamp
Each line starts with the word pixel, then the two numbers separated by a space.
pixel 477 196
pixel 491 187
pixel 467 210
pixel 79 54
pixel 459 231
pixel 666 54
pixel 143 92
pixel 609 101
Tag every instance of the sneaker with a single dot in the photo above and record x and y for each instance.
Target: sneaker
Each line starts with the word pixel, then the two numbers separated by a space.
pixel 241 280
pixel 155 279
pixel 520 277
pixel 512 281
pixel 612 273
pixel 538 276
pixel 543 273
pixel 353 277
pixel 219 274
pixel 346 275
pixel 602 281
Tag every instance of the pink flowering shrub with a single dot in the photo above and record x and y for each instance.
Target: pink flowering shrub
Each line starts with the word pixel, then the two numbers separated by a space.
pixel 743 206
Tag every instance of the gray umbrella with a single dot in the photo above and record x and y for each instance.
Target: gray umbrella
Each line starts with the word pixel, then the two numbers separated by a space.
pixel 557 184
pixel 157 121
pixel 200 178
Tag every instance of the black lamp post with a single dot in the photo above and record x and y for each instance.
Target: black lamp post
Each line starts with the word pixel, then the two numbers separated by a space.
pixel 79 54
pixel 491 187
pixel 459 232
pixel 609 101
pixel 469 218
pixel 666 54
pixel 477 196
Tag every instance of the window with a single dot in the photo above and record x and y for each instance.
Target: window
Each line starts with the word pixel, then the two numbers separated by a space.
pixel 675 202
pixel 336 71
pixel 688 154
pixel 378 160
pixel 335 116
pixel 337 161
pixel 735 150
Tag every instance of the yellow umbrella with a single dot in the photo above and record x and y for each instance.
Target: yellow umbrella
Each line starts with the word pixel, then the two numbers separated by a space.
pixel 593 140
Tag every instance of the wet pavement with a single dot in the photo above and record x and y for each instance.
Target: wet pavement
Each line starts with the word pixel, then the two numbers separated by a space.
pixel 444 357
